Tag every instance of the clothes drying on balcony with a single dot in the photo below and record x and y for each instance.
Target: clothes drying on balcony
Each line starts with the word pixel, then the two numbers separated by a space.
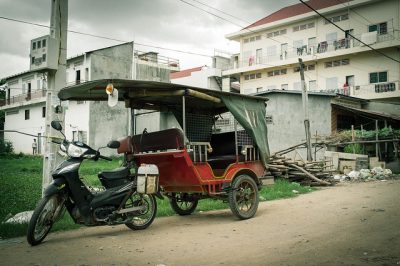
pixel 322 47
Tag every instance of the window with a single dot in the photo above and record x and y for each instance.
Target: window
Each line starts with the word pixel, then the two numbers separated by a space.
pixel 259 56
pixel 306 68
pixel 33 60
pixel 44 57
pixel 337 18
pixel 252 76
pixel 34 46
pixel 276 33
pixel 336 63
pixel 39 44
pixel 277 72
pixel 44 111
pixel 376 77
pixel 381 28
pixel 312 85
pixel 27 115
pixel 44 43
pixel 304 26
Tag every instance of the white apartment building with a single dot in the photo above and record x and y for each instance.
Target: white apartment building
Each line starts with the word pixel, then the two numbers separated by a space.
pixel 25 104
pixel 270 48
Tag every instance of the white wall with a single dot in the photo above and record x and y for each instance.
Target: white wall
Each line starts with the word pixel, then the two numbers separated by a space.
pixel 34 125
pixel 77 118
pixel 201 79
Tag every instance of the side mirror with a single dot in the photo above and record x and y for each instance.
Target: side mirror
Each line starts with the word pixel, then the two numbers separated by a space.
pixel 56 125
pixel 113 144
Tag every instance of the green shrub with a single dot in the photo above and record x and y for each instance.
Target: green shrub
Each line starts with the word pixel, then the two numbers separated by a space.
pixel 349 148
pixel 6 147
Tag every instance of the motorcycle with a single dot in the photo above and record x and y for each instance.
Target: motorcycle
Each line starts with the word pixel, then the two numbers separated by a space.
pixel 119 203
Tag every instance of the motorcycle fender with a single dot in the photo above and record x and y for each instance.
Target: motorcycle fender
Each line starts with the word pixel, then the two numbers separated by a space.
pixel 55 187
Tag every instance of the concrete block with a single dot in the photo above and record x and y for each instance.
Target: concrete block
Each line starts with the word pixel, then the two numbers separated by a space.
pixel 347 165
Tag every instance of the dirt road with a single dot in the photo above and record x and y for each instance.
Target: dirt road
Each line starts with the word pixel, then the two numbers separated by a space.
pixel 352 224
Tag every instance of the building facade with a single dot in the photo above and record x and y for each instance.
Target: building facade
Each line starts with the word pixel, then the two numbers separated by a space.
pixel 335 62
pixel 91 122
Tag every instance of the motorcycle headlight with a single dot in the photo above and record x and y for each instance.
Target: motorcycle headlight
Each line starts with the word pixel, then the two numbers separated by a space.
pixel 75 151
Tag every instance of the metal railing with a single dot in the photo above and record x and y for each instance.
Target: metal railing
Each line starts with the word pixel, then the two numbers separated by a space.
pixel 154 58
pixel 294 52
pixel 23 97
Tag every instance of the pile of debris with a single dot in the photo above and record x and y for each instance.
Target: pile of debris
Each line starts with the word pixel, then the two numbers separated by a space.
pixel 306 173
pixel 376 173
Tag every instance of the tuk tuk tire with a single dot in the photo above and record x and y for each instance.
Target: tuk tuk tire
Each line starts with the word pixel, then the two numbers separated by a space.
pixel 178 209
pixel 244 191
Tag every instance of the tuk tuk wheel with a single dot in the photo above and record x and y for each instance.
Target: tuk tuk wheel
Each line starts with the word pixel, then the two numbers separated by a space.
pixel 243 197
pixel 183 203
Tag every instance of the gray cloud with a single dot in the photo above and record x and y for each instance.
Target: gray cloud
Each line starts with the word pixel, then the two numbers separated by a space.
pixel 169 23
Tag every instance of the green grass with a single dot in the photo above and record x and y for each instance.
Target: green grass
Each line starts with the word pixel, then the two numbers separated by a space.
pixel 20 190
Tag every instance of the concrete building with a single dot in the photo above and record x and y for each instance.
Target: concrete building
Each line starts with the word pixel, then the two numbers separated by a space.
pixel 92 122
pixel 270 48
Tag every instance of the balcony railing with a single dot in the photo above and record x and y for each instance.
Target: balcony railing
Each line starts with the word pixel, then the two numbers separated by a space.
pixel 295 52
pixel 156 59
pixel 377 90
pixel 21 98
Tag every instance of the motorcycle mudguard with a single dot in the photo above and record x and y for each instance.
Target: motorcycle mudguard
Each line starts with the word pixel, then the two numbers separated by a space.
pixel 55 187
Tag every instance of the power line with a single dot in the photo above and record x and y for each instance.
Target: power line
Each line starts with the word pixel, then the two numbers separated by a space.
pixel 223 12
pixel 351 35
pixel 106 38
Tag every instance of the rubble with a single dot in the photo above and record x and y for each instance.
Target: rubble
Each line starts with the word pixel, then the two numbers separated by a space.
pixel 376 173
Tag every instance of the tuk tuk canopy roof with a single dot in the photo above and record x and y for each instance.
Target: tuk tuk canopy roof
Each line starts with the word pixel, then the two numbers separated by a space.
pixel 248 110
pixel 146 94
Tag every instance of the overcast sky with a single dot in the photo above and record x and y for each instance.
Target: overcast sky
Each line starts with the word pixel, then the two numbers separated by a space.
pixel 166 23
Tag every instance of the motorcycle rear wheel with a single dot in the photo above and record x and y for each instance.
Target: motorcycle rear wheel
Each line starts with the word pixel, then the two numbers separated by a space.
pixel 144 218
pixel 42 219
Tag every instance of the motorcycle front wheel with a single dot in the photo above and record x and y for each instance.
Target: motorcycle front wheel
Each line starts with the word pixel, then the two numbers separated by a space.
pixel 144 217
pixel 43 219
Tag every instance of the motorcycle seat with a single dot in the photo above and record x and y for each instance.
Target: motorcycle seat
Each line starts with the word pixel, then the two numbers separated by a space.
pixel 118 173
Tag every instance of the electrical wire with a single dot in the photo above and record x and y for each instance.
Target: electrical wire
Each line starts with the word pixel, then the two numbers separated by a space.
pixel 106 38
pixel 351 35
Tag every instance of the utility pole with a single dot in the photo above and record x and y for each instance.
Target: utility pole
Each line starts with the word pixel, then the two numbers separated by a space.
pixel 56 79
pixel 305 109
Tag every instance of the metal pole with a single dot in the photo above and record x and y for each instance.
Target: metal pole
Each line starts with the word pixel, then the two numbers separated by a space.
pixel 56 80
pixel 184 115
pixel 376 138
pixel 305 109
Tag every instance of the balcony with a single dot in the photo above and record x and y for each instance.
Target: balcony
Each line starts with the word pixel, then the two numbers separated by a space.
pixel 323 49
pixel 377 91
pixel 21 99
pixel 154 59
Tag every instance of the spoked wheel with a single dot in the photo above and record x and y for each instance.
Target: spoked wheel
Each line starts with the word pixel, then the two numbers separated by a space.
pixel 183 203
pixel 243 198
pixel 43 218
pixel 144 217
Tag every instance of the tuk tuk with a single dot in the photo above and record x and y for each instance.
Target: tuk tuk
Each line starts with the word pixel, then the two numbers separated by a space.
pixel 217 149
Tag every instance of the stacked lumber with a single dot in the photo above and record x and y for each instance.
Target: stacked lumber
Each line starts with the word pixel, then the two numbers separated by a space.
pixel 306 173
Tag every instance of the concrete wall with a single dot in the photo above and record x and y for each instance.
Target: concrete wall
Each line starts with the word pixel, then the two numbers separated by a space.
pixel 15 120
pixel 108 123
pixel 153 73
pixel 205 78
pixel 287 128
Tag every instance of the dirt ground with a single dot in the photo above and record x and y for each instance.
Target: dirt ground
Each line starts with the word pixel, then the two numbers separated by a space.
pixel 350 224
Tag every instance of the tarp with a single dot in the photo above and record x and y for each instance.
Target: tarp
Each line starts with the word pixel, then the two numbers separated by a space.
pixel 250 114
